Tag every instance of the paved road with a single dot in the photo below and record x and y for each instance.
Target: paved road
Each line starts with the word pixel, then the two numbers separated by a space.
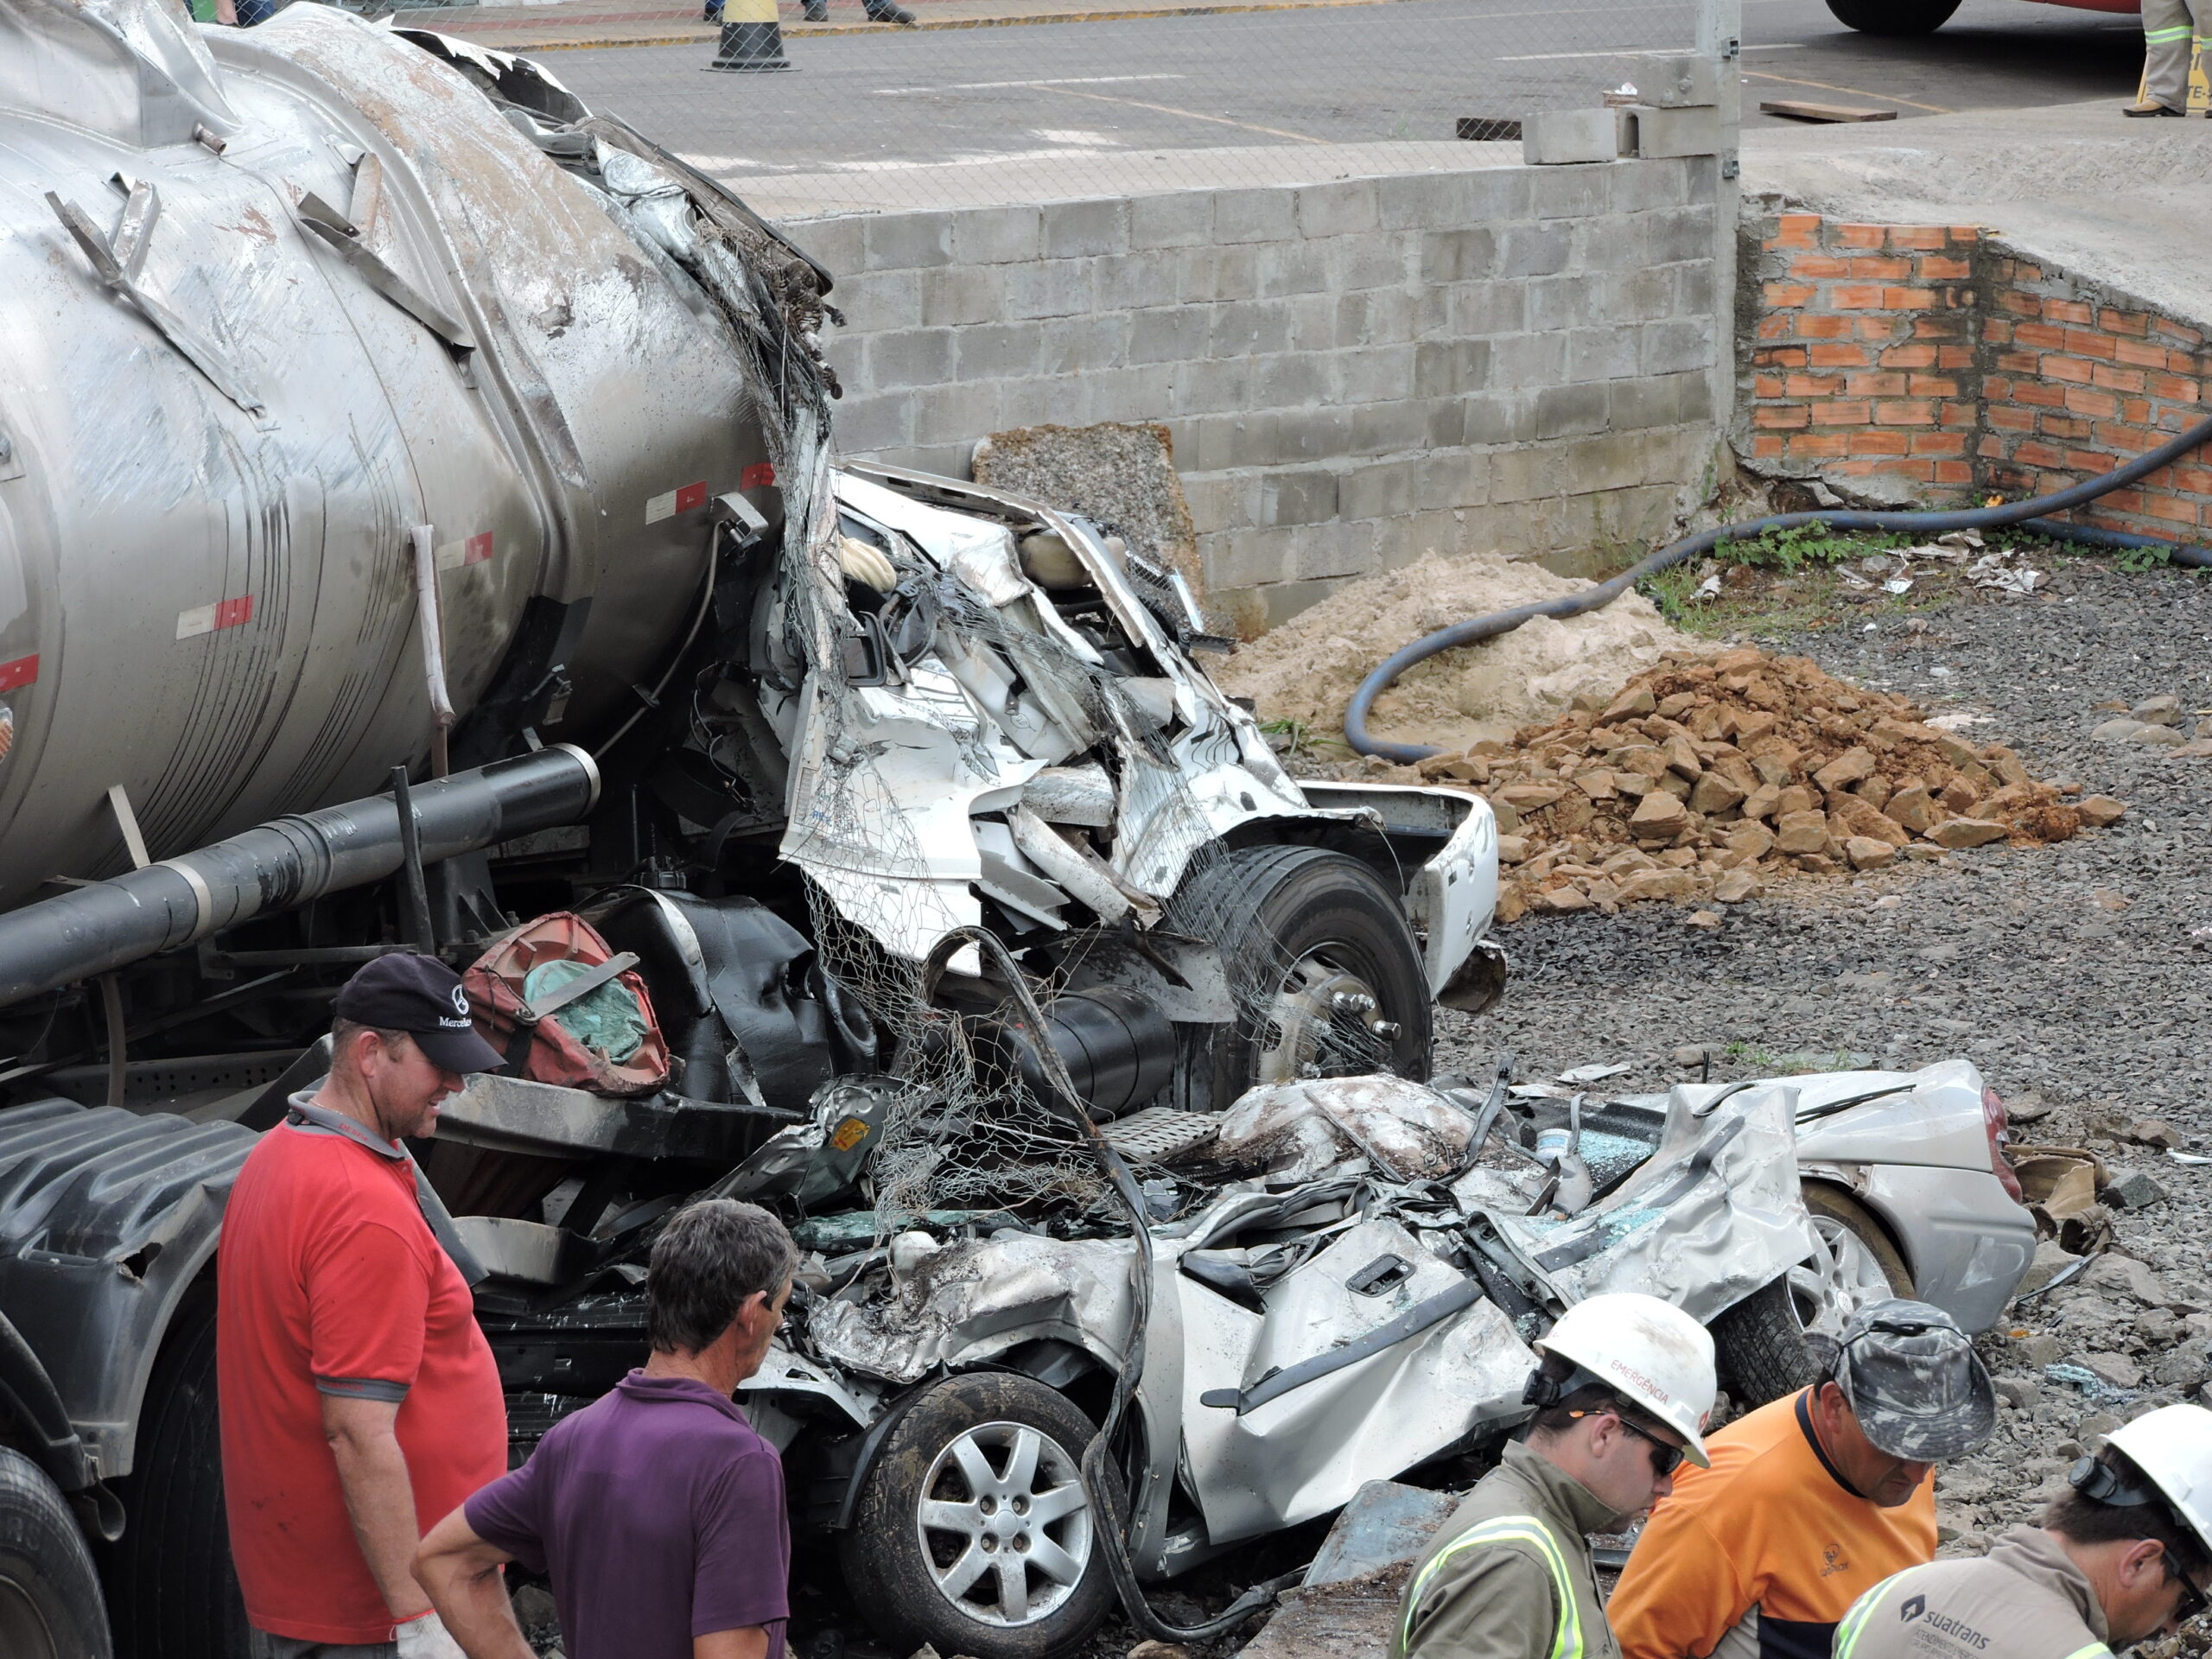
pixel 1325 74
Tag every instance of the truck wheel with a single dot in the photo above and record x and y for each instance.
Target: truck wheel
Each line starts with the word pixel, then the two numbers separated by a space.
pixel 174 1590
pixel 1327 973
pixel 974 1533
pixel 1893 17
pixel 50 1604
pixel 1760 1347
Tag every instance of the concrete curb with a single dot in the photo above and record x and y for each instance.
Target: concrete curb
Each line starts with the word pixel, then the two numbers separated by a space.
pixel 522 38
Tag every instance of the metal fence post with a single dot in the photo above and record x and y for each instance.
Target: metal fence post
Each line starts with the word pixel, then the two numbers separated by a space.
pixel 1719 37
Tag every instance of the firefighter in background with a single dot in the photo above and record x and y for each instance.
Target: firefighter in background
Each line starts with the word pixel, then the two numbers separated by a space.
pixel 2169 45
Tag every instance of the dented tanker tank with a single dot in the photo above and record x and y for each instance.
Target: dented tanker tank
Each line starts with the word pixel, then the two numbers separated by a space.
pixel 273 301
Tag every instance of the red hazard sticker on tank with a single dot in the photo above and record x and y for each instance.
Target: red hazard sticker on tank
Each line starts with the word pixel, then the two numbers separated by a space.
pixel 19 673
pixel 209 618
pixel 451 556
pixel 681 499
pixel 761 475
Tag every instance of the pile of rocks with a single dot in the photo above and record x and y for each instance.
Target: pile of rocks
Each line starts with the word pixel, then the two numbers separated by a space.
pixel 1712 775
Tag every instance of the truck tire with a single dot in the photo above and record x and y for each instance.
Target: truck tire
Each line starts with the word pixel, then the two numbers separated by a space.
pixel 1306 935
pixel 1893 17
pixel 170 1581
pixel 50 1604
pixel 1760 1347
pixel 954 1498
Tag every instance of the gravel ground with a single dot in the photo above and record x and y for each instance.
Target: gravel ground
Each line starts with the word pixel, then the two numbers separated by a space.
pixel 2067 971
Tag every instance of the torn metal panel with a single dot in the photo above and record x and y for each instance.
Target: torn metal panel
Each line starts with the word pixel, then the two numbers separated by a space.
pixel 974 1299
pixel 1306 1452
pixel 1713 1215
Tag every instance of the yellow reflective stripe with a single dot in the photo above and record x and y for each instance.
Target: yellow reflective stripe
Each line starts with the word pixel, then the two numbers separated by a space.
pixel 2180 34
pixel 1847 1634
pixel 1566 1639
pixel 2091 1651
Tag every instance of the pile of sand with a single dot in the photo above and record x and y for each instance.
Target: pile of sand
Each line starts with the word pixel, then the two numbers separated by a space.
pixel 1306 670
pixel 1710 776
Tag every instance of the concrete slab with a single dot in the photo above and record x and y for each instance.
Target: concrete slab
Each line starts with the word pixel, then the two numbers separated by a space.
pixel 2079 185
pixel 1348 1606
pixel 895 186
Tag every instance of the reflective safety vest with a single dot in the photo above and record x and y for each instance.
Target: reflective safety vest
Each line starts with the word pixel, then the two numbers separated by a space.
pixel 1567 1638
pixel 1854 1623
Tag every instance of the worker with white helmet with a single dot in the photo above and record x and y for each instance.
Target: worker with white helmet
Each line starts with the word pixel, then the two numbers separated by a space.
pixel 2125 1555
pixel 1810 1501
pixel 1622 1396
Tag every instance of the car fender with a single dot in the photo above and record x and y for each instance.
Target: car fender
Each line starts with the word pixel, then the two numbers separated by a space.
pixel 1967 1243
pixel 1451 894
pixel 106 1218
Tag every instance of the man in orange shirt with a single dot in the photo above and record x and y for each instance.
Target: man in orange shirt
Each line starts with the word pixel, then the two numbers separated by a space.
pixel 1810 1501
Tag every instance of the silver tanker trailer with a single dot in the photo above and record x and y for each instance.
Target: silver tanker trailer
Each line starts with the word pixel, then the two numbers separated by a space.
pixel 418 516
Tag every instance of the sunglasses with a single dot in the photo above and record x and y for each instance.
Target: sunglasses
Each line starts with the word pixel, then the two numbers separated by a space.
pixel 1666 1456
pixel 2193 1602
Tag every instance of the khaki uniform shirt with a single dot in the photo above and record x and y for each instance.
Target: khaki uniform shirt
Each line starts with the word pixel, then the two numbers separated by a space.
pixel 2025 1599
pixel 1509 1575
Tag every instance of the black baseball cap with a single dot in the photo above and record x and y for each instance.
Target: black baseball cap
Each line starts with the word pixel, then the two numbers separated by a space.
pixel 424 998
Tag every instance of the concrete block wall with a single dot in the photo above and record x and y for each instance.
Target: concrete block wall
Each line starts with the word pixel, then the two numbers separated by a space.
pixel 1509 357
pixel 1935 363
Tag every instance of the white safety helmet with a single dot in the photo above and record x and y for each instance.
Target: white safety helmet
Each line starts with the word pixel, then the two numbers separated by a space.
pixel 1648 1352
pixel 2172 1448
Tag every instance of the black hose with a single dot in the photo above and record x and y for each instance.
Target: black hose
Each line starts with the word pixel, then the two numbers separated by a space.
pixel 2028 515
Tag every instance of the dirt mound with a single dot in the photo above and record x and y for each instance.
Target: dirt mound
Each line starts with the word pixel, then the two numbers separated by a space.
pixel 1708 777
pixel 1306 670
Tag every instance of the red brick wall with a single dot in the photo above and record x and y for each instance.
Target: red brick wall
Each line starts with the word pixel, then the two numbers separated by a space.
pixel 1932 359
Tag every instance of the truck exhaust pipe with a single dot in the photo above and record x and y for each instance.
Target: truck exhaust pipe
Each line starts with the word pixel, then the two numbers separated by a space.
pixel 288 860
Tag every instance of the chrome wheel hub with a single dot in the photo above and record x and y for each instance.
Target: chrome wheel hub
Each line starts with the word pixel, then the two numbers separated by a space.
pixel 1005 1525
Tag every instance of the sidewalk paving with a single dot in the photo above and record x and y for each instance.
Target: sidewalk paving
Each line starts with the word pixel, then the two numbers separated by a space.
pixel 2079 185
pixel 572 24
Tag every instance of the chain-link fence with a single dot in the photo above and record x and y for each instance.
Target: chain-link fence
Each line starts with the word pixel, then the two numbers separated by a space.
pixel 827 105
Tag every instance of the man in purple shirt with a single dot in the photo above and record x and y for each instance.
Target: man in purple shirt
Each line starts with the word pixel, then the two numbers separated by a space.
pixel 657 1511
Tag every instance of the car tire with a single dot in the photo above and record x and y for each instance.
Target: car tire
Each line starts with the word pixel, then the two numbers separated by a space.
pixel 171 1580
pixel 943 1584
pixel 50 1605
pixel 1292 924
pixel 1868 1258
pixel 1893 17
pixel 1759 1347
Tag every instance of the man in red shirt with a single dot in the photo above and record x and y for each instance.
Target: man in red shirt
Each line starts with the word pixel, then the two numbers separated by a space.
pixel 359 1399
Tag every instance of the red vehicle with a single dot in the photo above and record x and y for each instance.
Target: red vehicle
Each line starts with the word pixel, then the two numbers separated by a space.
pixel 1926 16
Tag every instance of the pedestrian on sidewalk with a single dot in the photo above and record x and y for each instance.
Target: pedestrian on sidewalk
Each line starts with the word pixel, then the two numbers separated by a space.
pixel 1811 1500
pixel 2124 1556
pixel 656 1510
pixel 817 12
pixel 358 1400
pixel 1625 1386
pixel 2169 33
